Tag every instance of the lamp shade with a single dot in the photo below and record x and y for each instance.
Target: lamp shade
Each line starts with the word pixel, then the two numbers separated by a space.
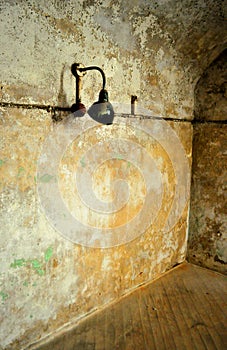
pixel 102 110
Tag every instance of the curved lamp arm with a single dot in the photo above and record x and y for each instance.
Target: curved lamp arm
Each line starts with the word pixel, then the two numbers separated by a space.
pixel 78 70
pixel 95 68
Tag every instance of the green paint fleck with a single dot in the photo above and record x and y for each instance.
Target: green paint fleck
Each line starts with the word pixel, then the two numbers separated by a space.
pixel 25 284
pixel 20 171
pixel 129 164
pixel 31 316
pixel 4 295
pixel 18 263
pixel 37 266
pixel 1 162
pixel 48 254
pixel 40 272
pixel 46 178
pixel 82 162
pixel 119 156
pixel 34 284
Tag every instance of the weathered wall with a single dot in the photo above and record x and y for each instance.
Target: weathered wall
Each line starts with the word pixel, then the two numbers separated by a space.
pixel 47 280
pixel 208 224
pixel 210 91
pixel 153 49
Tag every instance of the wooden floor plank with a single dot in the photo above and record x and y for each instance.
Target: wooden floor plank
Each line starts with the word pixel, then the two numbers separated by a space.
pixel 188 314
pixel 109 329
pixel 147 319
pixel 183 310
pixel 119 342
pixel 145 322
pixel 207 309
pixel 162 317
pixel 178 324
pixel 179 313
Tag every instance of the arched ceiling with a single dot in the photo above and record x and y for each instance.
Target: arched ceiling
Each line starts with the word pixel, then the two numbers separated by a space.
pixel 196 28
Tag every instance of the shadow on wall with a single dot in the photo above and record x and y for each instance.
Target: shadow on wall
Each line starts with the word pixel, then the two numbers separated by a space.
pixel 62 98
pixel 210 92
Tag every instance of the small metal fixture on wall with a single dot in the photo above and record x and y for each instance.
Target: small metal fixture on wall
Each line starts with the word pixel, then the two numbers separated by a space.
pixel 133 104
pixel 102 110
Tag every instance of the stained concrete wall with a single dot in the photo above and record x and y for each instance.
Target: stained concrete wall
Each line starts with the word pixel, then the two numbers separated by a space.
pixel 48 280
pixel 153 49
pixel 208 225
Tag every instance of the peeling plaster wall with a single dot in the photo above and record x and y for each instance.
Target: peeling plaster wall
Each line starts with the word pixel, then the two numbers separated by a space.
pixel 153 49
pixel 47 281
pixel 146 49
pixel 208 224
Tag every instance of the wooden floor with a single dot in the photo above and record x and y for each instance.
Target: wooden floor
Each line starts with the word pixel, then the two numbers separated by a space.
pixel 184 309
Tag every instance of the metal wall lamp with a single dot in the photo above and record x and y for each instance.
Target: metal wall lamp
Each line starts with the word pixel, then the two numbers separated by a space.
pixel 102 110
